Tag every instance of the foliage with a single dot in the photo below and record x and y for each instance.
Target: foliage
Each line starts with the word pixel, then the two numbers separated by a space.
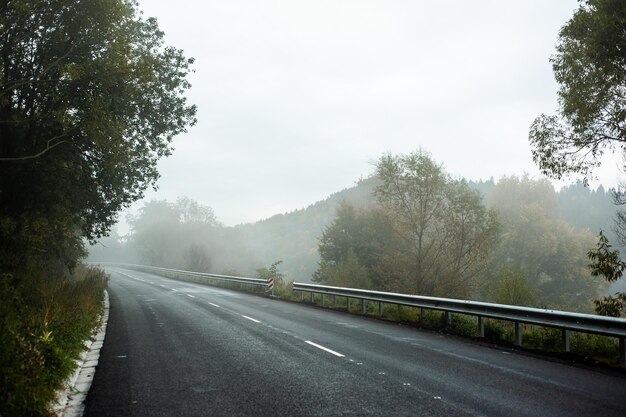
pixel 427 235
pixel 294 236
pixel 196 258
pixel 600 348
pixel 543 247
pixel 154 232
pixel 183 235
pixel 90 99
pixel 352 249
pixel 444 231
pixel 606 263
pixel 590 68
pixel 586 208
pixel 272 272
pixel 512 288
pixel 611 305
pixel 346 272
pixel 191 212
pixel 45 316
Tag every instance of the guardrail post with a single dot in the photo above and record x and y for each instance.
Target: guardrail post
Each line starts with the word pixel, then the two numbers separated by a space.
pixel 322 299
pixel 311 297
pixel 301 295
pixel 348 303
pixel 518 334
pixel 363 305
pixel 380 309
pixel 622 352
pixel 565 338
pixel 448 319
pixel 334 299
pixel 481 327
pixel 422 315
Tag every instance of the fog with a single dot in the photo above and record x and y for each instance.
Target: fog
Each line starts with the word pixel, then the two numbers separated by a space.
pixel 296 100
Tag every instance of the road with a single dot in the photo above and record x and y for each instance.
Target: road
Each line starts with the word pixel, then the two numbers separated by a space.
pixel 179 349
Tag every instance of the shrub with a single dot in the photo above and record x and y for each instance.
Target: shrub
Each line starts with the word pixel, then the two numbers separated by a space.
pixel 46 314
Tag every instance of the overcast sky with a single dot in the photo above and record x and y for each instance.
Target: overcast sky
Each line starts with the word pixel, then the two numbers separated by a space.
pixel 297 99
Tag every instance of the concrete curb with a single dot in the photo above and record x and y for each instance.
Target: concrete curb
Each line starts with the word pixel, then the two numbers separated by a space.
pixel 71 401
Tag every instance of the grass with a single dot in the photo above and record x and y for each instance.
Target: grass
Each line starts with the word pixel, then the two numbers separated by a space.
pixel 46 315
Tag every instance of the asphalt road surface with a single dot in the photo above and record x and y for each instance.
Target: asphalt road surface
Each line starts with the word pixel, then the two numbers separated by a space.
pixel 179 349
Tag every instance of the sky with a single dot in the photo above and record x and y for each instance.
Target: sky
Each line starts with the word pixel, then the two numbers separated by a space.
pixel 299 99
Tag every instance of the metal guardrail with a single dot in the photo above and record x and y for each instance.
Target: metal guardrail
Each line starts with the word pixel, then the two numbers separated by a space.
pixel 228 278
pixel 566 321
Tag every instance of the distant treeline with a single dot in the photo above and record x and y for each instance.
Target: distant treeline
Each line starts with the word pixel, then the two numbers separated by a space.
pixel 516 240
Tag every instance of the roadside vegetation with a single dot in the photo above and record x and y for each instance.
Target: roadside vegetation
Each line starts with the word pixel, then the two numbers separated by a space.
pixel 90 99
pixel 47 315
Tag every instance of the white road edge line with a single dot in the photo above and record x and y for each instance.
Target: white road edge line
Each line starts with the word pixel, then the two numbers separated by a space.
pixel 324 348
pixel 190 296
pixel 250 318
pixel 214 305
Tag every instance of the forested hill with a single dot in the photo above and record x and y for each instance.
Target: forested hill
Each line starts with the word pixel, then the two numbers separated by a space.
pixel 186 235
pixel 293 237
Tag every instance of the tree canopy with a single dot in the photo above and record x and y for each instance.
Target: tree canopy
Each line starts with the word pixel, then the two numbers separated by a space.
pixel 538 249
pixel 590 66
pixel 447 232
pixel 90 99
pixel 428 234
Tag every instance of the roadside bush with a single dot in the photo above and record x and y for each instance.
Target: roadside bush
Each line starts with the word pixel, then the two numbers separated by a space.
pixel 46 315
pixel 600 348
pixel 543 338
pixel 463 325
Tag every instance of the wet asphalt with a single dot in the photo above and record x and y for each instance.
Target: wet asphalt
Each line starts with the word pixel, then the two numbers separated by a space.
pixel 180 349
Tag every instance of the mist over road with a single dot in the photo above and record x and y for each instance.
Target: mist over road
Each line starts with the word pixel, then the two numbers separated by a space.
pixel 180 349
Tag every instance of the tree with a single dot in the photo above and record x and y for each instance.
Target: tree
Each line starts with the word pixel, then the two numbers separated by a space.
pixel 191 212
pixel 155 234
pixel 272 272
pixel 607 263
pixel 445 230
pixel 590 66
pixel 90 99
pixel 512 288
pixel 549 253
pixel 196 258
pixel 346 272
pixel 427 234
pixel 353 249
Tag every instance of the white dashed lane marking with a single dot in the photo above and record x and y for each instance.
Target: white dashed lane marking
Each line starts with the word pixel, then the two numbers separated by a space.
pixel 325 349
pixel 250 318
